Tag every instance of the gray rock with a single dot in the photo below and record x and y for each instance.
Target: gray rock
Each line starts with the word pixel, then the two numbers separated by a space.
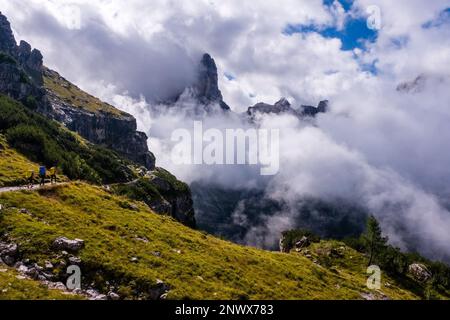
pixel 33 273
pixel 8 260
pixel 95 295
pixel 117 132
pixel 113 296
pixel 63 243
pixel 281 107
pixel 207 86
pixel 420 272
pixel 8 249
pixel 57 286
pixel 158 290
pixel 21 76
pixel 303 243
pixel 374 296
pixel 24 211
pixel 74 260
pixel 48 265
pixel 283 245
pixel 310 111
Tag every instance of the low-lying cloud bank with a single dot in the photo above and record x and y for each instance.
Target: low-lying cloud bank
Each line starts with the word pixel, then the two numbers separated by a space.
pixel 381 149
pixel 384 150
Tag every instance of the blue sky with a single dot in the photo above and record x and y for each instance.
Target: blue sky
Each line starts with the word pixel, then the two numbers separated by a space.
pixel 354 34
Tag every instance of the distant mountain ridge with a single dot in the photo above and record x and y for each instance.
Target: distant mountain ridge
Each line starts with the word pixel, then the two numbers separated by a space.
pixel 22 75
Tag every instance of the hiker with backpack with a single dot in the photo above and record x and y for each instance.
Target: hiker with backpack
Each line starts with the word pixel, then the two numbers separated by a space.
pixel 31 177
pixel 52 173
pixel 42 175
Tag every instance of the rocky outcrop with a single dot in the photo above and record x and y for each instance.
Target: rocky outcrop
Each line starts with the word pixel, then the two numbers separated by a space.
pixel 302 243
pixel 415 86
pixel 310 111
pixel 63 243
pixel 163 193
pixel 419 272
pixel 176 197
pixel 203 96
pixel 284 245
pixel 207 87
pixel 20 70
pixel 284 107
pixel 114 131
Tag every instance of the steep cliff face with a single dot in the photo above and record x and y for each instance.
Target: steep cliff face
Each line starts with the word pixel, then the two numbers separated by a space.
pixel 96 121
pixel 207 86
pixel 163 193
pixel 22 76
pixel 203 96
pixel 20 70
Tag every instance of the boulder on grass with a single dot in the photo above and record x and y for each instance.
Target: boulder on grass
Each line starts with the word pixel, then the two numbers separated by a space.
pixel 63 243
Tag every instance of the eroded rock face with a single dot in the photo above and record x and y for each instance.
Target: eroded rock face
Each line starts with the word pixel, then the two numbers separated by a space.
pixel 284 247
pixel 63 243
pixel 21 77
pixel 420 272
pixel 282 106
pixel 116 132
pixel 207 86
pixel 203 96
pixel 7 41
pixel 310 111
pixel 20 70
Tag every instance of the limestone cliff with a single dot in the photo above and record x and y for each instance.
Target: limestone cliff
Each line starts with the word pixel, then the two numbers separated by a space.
pixel 22 76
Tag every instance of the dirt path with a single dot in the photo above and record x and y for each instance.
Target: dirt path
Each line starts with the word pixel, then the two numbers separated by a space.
pixel 35 187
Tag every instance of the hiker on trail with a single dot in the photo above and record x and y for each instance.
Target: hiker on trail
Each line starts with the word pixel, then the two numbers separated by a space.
pixel 31 177
pixel 42 175
pixel 52 173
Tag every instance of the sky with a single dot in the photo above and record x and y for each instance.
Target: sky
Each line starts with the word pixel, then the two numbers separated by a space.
pixel 381 148
pixel 304 50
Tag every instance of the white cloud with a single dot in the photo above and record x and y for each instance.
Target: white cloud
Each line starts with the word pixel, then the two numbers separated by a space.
pixel 385 150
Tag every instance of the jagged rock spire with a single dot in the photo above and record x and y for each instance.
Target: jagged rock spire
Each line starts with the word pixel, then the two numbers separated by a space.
pixel 7 42
pixel 30 60
pixel 207 86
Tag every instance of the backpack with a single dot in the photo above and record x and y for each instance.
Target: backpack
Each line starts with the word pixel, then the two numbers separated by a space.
pixel 42 171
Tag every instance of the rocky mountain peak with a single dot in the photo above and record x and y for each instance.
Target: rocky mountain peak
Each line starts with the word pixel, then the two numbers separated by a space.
pixel 282 106
pixel 310 111
pixel 30 60
pixel 7 42
pixel 207 86
pixel 283 103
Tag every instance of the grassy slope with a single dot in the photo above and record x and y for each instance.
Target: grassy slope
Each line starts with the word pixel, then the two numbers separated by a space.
pixel 75 96
pixel 13 287
pixel 203 268
pixel 14 166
